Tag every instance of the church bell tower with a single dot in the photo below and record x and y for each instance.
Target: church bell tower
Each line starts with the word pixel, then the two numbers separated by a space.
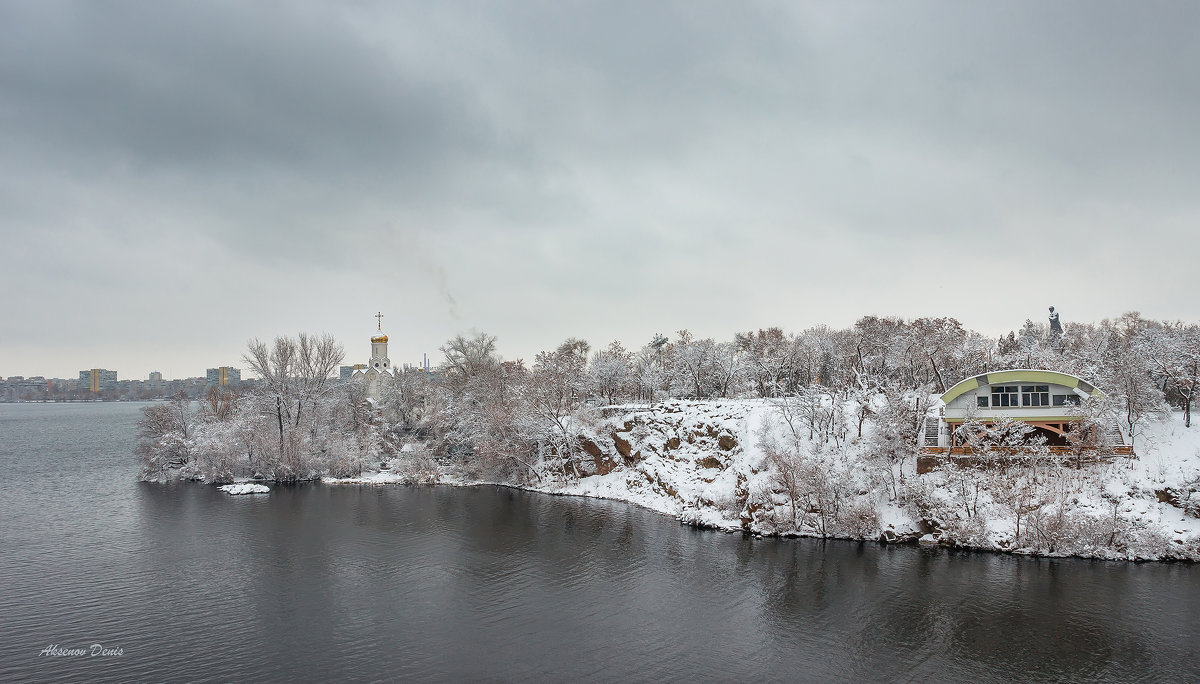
pixel 379 357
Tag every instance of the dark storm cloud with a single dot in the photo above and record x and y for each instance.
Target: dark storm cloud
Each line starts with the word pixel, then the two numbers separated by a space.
pixel 266 112
pixel 677 162
pixel 229 87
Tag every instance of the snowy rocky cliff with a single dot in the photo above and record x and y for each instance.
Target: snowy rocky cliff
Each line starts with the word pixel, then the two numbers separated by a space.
pixel 684 458
pixel 716 464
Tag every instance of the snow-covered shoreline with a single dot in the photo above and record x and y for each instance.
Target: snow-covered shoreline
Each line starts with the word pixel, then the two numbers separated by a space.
pixel 703 464
pixel 697 518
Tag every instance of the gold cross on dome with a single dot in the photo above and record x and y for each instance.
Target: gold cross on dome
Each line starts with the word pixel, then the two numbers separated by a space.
pixel 379 324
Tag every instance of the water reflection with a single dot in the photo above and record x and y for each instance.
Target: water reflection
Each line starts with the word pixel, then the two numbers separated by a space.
pixel 396 583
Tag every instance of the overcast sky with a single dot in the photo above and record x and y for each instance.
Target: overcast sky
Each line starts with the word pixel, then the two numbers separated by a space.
pixel 177 178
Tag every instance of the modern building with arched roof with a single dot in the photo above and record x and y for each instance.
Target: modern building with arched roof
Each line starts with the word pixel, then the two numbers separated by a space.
pixel 1047 400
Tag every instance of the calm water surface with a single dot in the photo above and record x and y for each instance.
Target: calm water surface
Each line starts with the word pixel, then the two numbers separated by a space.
pixel 317 583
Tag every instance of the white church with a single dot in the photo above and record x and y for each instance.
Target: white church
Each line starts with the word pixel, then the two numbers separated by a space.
pixel 371 373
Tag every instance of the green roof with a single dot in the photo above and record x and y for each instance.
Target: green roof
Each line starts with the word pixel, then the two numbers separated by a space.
pixel 1024 375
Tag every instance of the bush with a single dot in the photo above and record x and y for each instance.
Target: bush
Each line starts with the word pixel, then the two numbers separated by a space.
pixel 859 520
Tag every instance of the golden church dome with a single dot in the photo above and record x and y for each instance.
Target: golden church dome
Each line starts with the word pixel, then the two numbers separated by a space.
pixel 379 338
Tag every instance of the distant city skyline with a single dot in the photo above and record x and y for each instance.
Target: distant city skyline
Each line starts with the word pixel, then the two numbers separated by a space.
pixel 148 376
pixel 105 384
pixel 238 370
pixel 108 377
pixel 180 178
pixel 359 356
pixel 238 365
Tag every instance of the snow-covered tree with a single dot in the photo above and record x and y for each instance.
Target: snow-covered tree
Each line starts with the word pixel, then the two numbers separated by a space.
pixel 165 434
pixel 877 345
pixel 768 359
pixel 554 392
pixel 1173 353
pixel 610 372
pixel 726 369
pixel 934 348
pixel 1091 434
pixel 898 423
pixel 1126 373
pixel 650 375
pixel 693 365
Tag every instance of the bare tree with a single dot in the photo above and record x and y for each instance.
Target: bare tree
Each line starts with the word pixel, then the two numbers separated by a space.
pixel 276 366
pixel 467 357
pixel 295 372
pixel 317 359
pixel 220 402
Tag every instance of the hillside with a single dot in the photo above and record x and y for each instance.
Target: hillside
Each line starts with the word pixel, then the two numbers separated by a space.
pixel 732 465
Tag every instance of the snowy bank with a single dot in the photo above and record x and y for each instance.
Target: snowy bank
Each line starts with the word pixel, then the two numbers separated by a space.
pixel 716 464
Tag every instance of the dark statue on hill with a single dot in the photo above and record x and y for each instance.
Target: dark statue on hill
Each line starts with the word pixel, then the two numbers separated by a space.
pixel 1055 326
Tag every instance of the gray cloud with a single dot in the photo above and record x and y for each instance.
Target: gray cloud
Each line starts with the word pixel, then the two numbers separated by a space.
pixel 603 169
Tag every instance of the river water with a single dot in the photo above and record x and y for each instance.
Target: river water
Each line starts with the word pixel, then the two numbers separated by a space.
pixel 319 583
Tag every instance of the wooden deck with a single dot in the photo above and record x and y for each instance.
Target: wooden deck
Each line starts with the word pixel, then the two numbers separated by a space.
pixel 1118 449
pixel 936 456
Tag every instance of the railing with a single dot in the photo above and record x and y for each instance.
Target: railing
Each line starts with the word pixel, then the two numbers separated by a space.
pixel 966 456
pixel 1117 449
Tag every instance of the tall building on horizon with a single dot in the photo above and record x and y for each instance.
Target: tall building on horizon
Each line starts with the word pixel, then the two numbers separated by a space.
pixel 223 376
pixel 97 379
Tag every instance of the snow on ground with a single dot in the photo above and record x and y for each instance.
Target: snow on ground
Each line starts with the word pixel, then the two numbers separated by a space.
pixel 373 477
pixel 702 462
pixel 685 459
pixel 245 488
